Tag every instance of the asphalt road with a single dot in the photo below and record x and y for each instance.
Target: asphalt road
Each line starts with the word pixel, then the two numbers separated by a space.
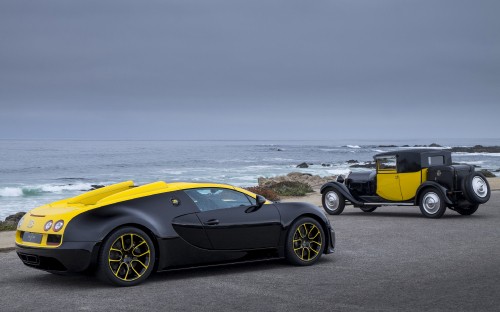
pixel 389 260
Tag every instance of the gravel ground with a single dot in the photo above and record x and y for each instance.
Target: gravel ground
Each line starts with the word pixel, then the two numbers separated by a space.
pixel 390 260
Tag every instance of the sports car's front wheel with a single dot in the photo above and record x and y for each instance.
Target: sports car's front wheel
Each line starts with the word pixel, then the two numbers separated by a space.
pixel 305 242
pixel 126 258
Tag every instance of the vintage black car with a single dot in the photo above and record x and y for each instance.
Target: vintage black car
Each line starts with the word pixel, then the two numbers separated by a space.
pixel 126 232
pixel 412 177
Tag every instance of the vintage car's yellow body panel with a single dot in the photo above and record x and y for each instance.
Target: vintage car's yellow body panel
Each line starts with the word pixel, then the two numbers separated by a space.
pixel 395 186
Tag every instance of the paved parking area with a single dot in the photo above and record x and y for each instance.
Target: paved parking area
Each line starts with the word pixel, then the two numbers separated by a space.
pixel 389 260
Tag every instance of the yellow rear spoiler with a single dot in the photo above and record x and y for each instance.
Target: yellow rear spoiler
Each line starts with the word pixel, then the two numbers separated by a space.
pixel 92 197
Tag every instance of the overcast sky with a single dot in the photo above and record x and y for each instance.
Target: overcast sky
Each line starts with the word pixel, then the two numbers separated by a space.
pixel 259 69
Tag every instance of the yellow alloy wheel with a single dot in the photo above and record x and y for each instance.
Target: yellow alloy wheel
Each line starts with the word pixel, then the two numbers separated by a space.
pixel 307 242
pixel 129 257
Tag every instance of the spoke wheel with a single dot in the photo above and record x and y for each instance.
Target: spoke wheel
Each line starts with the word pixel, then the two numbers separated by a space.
pixel 305 242
pixel 127 257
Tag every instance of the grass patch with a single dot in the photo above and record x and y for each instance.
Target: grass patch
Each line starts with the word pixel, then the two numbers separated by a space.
pixel 8 227
pixel 291 188
pixel 266 192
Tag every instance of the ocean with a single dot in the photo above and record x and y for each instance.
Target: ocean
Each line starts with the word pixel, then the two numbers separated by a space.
pixel 33 173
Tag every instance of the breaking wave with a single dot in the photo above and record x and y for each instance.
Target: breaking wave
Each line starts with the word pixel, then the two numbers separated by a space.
pixel 34 190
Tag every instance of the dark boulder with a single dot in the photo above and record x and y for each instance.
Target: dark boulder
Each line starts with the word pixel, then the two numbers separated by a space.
pixel 15 217
pixel 369 165
pixel 303 165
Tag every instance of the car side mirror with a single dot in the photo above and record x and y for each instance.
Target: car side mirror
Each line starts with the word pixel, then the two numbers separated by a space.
pixel 261 200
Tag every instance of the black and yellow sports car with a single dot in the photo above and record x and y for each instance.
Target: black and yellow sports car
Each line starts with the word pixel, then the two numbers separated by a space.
pixel 125 232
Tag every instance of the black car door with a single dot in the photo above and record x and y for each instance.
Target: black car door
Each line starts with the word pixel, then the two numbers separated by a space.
pixel 230 224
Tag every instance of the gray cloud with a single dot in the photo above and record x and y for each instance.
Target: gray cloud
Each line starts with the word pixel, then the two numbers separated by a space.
pixel 249 69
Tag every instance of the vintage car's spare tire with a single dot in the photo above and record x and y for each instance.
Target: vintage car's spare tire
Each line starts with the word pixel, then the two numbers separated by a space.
pixel 476 188
pixel 432 204
pixel 467 211
pixel 333 201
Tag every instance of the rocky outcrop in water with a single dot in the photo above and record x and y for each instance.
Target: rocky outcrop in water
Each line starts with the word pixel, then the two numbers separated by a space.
pixel 314 181
pixel 476 149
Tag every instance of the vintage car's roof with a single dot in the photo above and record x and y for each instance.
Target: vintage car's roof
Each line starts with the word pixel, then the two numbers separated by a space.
pixel 412 160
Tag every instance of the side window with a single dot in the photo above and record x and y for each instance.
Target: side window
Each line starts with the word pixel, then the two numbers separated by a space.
pixel 217 198
pixel 386 164
pixel 436 160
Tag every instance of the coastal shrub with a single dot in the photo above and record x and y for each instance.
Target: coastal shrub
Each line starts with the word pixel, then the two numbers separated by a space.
pixel 291 188
pixel 487 173
pixel 7 226
pixel 263 191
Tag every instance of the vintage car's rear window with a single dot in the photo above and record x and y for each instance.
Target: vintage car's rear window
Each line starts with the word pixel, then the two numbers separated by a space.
pixel 436 160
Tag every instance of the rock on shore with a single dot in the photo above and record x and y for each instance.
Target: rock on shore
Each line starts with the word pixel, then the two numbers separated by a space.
pixel 314 181
pixel 12 220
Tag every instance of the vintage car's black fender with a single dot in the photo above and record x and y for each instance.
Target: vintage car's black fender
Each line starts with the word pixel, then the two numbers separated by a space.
pixel 437 187
pixel 342 189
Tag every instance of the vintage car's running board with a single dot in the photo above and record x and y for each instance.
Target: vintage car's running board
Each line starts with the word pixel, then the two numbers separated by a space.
pixel 388 204
pixel 381 204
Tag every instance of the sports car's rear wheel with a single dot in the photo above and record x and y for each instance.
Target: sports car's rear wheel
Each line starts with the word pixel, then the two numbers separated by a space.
pixel 333 201
pixel 368 209
pixel 127 257
pixel 432 204
pixel 467 211
pixel 305 242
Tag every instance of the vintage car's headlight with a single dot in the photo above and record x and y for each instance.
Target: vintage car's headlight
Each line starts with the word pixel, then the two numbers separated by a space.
pixel 58 225
pixel 20 222
pixel 48 225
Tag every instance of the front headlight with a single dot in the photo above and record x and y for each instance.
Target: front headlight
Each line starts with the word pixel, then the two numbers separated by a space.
pixel 48 225
pixel 58 225
pixel 20 222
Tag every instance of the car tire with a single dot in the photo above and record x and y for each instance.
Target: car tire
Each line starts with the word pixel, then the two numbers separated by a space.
pixel 368 209
pixel 333 201
pixel 476 188
pixel 432 204
pixel 467 211
pixel 127 257
pixel 305 242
